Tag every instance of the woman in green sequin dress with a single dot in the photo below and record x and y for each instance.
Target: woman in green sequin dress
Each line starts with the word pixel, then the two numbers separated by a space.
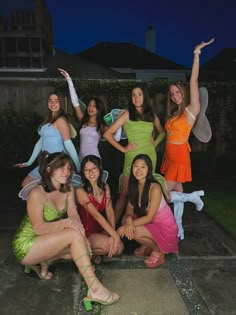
pixel 44 236
pixel 138 123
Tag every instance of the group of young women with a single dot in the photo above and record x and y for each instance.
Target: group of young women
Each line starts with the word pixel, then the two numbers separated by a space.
pixel 58 226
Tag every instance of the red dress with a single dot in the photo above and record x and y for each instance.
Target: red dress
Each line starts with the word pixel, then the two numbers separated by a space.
pixel 91 226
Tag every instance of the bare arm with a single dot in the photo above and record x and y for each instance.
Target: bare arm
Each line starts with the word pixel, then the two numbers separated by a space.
pixel 83 199
pixel 194 106
pixel 109 133
pixel 109 208
pixel 128 228
pixel 35 206
pixel 62 125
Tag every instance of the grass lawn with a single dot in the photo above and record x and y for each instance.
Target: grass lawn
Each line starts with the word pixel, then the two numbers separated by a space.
pixel 220 201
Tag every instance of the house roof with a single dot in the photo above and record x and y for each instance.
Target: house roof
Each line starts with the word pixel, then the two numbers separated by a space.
pixel 125 55
pixel 78 67
pixel 220 67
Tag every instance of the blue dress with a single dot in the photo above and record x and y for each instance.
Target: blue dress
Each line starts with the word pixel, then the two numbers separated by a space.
pixel 52 142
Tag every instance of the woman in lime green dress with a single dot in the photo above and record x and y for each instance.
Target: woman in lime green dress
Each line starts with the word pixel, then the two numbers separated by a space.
pixel 138 123
pixel 45 236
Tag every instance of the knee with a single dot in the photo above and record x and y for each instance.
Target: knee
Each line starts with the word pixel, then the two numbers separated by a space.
pixel 120 251
pixel 75 235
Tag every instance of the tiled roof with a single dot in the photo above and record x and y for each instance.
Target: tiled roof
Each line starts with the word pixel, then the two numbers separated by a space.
pixel 77 66
pixel 125 55
pixel 220 67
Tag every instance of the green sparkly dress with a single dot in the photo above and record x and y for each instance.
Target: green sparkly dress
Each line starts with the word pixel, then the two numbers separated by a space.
pixel 25 236
pixel 139 132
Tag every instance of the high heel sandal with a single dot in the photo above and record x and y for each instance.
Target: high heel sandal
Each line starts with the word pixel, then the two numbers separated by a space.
pixel 46 276
pixel 111 299
pixel 154 261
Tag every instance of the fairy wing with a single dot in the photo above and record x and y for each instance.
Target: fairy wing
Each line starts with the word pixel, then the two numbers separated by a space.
pixel 73 132
pixel 202 128
pixel 25 191
pixel 161 180
pixel 111 117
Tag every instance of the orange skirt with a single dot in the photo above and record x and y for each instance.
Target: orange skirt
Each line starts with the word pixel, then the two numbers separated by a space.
pixel 176 165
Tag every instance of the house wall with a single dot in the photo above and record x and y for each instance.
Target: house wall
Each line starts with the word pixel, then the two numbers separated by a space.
pixel 150 74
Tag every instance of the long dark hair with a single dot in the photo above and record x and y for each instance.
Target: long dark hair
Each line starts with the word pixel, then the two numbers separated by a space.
pixel 98 163
pixel 99 118
pixel 148 114
pixel 140 210
pixel 172 109
pixel 48 163
pixel 61 112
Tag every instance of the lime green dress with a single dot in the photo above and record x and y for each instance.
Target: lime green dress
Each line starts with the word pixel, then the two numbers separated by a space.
pixel 139 132
pixel 25 236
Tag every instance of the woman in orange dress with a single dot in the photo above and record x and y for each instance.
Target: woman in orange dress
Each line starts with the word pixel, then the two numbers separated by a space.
pixel 176 165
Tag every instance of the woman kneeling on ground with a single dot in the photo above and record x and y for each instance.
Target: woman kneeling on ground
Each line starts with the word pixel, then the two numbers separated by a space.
pixel 148 219
pixel 44 236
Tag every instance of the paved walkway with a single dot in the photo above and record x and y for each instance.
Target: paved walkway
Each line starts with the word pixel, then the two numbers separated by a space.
pixel 200 280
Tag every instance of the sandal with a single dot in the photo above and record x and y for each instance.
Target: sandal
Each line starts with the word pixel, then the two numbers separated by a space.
pixel 47 275
pixel 111 299
pixel 142 251
pixel 112 296
pixel 154 260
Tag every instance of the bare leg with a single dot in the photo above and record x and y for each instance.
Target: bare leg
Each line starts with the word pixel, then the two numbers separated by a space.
pixel 98 243
pixel 143 237
pixel 50 246
pixel 172 185
pixel 157 257
pixel 122 200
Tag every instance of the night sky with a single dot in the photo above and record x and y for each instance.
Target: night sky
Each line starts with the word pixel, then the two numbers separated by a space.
pixel 179 25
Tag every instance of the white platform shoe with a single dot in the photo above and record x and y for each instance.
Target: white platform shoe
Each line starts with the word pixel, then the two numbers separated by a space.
pixel 193 197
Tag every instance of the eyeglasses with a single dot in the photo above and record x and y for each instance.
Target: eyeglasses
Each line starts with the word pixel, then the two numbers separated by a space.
pixel 91 170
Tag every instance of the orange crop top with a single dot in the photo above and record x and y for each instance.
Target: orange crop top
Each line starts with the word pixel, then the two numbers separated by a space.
pixel 178 129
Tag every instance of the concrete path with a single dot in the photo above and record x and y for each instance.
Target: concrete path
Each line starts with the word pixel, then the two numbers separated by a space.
pixel 200 280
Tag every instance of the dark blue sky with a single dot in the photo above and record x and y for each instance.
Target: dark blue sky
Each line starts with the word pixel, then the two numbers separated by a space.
pixel 179 25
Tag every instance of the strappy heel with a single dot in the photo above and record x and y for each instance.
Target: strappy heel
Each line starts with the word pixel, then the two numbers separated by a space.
pixel 47 276
pixel 112 297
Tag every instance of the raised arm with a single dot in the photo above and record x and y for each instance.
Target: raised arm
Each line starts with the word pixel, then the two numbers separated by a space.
pixel 194 106
pixel 73 96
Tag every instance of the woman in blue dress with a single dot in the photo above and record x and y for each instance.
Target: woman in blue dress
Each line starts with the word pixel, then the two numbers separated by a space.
pixel 54 135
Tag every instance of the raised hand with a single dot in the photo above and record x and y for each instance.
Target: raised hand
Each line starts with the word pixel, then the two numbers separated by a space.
pixel 63 72
pixel 21 165
pixel 203 44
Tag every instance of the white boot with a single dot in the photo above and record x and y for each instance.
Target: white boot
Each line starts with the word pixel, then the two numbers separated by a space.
pixel 193 197
pixel 178 212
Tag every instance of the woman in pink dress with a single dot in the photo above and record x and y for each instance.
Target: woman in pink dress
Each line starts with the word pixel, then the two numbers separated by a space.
pixel 148 219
